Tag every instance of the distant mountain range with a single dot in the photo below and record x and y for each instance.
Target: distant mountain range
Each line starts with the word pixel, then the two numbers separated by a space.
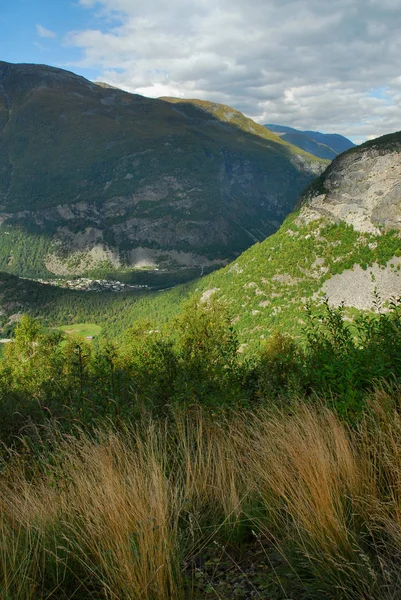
pixel 99 182
pixel 322 145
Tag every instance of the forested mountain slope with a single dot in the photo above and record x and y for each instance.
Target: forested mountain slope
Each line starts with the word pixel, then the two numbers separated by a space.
pixel 94 180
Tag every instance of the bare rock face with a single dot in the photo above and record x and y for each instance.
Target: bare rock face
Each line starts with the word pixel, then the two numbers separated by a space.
pixel 358 287
pixel 361 187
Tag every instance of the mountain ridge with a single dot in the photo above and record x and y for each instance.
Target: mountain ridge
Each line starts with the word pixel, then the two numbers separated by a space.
pixel 322 145
pixel 98 181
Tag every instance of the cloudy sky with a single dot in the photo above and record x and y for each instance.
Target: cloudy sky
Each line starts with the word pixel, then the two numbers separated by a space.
pixel 311 64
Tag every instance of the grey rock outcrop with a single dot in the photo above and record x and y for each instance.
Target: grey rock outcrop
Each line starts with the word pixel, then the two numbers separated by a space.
pixel 361 187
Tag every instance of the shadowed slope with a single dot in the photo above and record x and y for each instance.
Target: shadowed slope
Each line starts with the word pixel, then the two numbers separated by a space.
pixel 97 180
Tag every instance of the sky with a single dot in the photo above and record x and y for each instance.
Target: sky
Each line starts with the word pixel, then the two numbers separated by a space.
pixel 331 66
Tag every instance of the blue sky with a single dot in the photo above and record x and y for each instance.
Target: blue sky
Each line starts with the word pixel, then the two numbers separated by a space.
pixel 22 38
pixel 309 64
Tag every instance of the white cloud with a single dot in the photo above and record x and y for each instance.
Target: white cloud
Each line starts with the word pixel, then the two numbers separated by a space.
pixel 44 33
pixel 303 63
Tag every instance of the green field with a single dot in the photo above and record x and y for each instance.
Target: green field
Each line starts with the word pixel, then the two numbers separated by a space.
pixel 83 329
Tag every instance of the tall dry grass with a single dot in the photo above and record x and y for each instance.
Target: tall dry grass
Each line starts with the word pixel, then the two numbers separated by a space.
pixel 117 515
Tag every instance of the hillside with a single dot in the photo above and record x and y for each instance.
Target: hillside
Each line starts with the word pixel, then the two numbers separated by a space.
pixel 97 181
pixel 322 145
pixel 341 242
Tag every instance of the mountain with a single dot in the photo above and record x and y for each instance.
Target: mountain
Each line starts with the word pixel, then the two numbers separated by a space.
pixel 361 187
pixel 323 145
pixel 97 181
pixel 343 241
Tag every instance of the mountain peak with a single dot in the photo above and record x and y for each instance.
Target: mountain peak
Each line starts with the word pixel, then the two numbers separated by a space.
pixel 36 72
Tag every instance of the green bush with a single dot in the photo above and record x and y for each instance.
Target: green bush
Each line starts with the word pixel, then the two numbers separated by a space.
pixel 344 360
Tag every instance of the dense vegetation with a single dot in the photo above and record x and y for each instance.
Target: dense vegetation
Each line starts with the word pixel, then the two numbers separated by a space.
pixel 170 466
pixel 195 361
pixel 265 288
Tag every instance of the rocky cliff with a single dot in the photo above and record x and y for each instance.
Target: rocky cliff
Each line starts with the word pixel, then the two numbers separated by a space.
pixel 361 187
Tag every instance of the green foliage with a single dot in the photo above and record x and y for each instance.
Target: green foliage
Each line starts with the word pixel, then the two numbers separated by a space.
pixel 23 253
pixel 47 374
pixel 51 374
pixel 344 360
pixel 279 371
pixel 208 347
pixel 29 377
pixel 150 362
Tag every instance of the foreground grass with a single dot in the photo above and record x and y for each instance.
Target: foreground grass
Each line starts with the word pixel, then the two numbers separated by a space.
pixel 141 512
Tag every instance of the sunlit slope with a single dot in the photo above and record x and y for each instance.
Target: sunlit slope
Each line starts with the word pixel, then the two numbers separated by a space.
pixel 343 242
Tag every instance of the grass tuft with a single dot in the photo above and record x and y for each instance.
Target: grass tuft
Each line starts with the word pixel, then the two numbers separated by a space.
pixel 151 511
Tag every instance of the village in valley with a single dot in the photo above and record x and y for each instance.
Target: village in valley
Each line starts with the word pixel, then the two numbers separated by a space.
pixel 92 285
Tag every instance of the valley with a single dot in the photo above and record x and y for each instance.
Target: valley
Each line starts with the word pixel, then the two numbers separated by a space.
pixel 200 372
pixel 91 285
pixel 342 241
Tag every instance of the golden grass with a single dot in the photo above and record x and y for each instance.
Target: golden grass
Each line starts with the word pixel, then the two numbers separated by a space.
pixel 116 515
